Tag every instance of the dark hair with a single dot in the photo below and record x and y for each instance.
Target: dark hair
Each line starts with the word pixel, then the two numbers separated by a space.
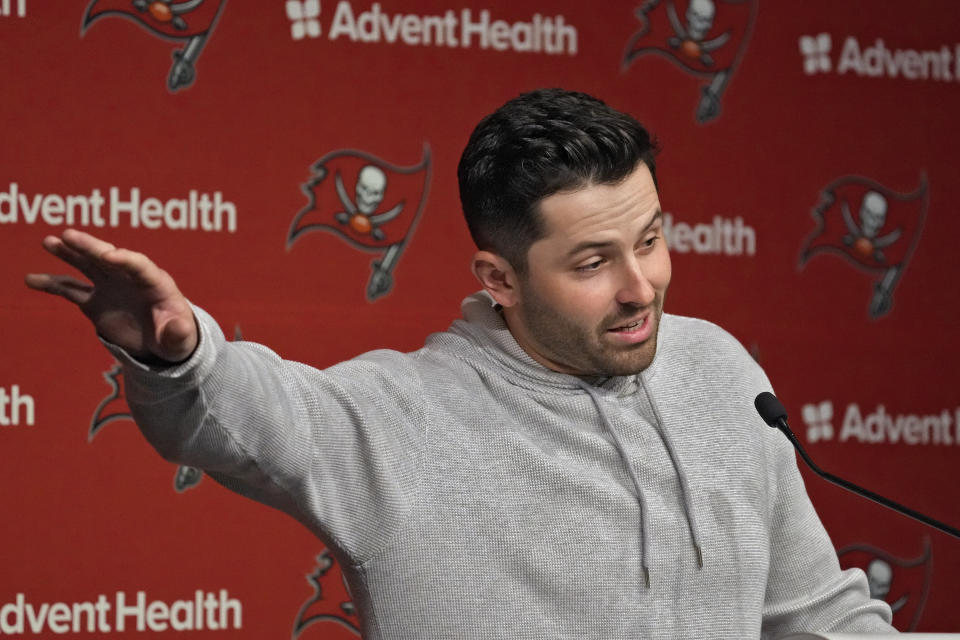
pixel 535 145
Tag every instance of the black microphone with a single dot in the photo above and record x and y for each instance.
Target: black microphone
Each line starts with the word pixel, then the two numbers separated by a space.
pixel 775 415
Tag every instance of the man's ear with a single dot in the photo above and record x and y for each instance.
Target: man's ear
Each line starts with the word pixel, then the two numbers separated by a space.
pixel 497 277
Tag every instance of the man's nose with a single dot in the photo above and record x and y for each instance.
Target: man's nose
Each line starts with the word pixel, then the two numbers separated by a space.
pixel 635 288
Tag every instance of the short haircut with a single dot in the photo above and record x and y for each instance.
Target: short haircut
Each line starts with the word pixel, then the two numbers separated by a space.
pixel 540 143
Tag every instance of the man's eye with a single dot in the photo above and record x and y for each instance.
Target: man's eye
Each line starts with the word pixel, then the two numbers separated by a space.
pixel 592 266
pixel 649 242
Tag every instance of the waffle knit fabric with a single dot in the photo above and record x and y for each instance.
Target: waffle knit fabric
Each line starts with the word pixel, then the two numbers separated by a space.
pixel 469 492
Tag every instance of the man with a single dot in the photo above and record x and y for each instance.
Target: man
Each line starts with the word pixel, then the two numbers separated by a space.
pixel 565 462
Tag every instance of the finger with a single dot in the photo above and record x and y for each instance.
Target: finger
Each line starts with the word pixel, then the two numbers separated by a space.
pixel 86 245
pixel 61 250
pixel 81 252
pixel 76 291
pixel 138 266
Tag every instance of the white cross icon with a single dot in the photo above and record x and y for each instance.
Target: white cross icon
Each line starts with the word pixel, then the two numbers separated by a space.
pixel 816 50
pixel 304 18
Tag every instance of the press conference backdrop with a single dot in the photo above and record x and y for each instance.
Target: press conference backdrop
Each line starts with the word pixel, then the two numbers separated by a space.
pixel 293 165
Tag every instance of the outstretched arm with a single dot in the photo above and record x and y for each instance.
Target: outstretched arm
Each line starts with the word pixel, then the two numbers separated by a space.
pixel 131 301
pixel 338 449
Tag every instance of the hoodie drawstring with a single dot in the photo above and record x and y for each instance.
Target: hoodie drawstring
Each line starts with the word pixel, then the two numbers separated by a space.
pixel 684 487
pixel 633 476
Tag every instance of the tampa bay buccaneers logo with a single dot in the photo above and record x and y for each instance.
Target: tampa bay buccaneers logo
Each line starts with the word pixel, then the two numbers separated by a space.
pixel 371 204
pixel 903 583
pixel 114 408
pixel 705 38
pixel 329 610
pixel 188 21
pixel 873 228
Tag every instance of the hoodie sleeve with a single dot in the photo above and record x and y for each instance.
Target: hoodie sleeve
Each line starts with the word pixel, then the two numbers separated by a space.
pixel 339 449
pixel 806 589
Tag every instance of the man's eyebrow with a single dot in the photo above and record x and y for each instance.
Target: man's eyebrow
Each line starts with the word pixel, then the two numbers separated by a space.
pixel 657 216
pixel 583 246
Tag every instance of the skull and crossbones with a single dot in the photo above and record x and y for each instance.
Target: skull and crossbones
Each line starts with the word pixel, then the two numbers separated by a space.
pixel 168 10
pixel 369 191
pixel 690 36
pixel 863 237
pixel 879 579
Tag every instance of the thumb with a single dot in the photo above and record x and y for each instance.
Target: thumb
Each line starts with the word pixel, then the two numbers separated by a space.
pixel 178 338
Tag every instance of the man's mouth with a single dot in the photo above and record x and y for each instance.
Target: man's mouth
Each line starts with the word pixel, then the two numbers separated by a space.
pixel 632 332
pixel 633 325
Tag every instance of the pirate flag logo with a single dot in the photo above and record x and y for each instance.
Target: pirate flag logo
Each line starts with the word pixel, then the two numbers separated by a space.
pixel 903 583
pixel 114 407
pixel 330 602
pixel 706 38
pixel 872 227
pixel 189 21
pixel 371 204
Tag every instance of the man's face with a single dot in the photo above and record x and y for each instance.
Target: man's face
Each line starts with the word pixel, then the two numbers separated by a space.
pixel 591 300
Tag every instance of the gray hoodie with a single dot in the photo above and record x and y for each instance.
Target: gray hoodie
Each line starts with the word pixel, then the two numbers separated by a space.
pixel 469 492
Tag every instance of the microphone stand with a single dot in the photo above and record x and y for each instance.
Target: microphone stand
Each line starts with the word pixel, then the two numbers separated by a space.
pixel 780 422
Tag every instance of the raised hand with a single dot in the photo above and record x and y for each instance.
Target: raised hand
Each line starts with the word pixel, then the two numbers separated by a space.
pixel 131 302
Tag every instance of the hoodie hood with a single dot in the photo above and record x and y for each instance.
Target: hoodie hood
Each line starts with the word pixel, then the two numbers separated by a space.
pixel 484 326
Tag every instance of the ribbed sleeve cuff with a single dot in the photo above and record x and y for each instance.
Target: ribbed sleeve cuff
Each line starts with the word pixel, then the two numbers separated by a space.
pixel 150 382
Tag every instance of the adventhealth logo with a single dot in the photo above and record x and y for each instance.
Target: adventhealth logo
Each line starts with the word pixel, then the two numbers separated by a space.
pixel 878 60
pixel 16 8
pixel 723 236
pixel 881 426
pixel 194 211
pixel 819 419
pixel 206 610
pixel 464 28
pixel 304 18
pixel 816 52
pixel 15 405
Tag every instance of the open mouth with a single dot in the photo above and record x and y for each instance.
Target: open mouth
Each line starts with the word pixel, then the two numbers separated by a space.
pixel 630 326
pixel 633 332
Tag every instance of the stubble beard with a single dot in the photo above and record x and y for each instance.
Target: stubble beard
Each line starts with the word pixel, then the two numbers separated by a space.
pixel 587 351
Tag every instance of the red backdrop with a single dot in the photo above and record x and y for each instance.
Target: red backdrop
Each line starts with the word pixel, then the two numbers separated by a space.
pixel 808 168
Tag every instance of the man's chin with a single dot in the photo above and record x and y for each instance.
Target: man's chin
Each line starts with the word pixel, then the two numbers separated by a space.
pixel 631 363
